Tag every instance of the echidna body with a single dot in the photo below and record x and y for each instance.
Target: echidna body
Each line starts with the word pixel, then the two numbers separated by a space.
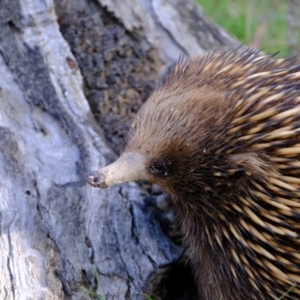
pixel 221 134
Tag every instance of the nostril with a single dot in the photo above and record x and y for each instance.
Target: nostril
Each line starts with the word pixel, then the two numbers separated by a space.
pixel 97 180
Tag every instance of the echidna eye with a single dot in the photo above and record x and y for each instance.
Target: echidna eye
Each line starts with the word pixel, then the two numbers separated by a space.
pixel 160 168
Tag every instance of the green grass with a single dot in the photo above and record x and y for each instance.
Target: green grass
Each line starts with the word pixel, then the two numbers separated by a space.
pixel 249 19
pixel 99 288
pixel 147 297
pixel 101 296
pixel 286 293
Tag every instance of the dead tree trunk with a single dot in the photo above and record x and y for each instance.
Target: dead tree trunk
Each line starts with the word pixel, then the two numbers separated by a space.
pixel 73 73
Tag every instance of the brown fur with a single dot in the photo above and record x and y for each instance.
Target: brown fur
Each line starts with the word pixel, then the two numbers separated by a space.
pixel 221 135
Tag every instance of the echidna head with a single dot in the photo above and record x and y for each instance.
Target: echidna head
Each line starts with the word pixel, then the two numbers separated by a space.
pixel 171 142
pixel 179 139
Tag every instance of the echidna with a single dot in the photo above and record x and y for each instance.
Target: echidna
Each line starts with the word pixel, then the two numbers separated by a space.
pixel 221 135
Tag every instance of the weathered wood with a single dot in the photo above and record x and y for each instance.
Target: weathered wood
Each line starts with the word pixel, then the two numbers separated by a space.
pixel 53 226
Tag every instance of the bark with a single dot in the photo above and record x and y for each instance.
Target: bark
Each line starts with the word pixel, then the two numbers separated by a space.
pixel 73 74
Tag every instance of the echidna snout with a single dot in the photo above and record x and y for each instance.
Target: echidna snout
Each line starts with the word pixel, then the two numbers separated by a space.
pixel 129 167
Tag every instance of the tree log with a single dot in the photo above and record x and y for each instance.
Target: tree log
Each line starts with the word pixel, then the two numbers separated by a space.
pixel 73 73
